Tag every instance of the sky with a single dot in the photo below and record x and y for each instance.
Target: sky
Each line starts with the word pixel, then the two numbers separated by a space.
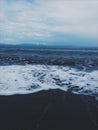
pixel 49 22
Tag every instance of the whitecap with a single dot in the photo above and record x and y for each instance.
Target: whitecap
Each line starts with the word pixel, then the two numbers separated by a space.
pixel 18 79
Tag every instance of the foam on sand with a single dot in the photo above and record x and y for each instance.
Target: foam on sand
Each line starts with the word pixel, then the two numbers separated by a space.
pixel 18 79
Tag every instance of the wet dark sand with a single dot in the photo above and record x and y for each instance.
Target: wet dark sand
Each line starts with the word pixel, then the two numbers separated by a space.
pixel 48 110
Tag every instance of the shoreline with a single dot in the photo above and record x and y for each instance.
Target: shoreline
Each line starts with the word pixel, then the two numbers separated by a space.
pixel 48 110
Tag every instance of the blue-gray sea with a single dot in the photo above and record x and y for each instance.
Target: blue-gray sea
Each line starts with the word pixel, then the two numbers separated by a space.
pixel 29 69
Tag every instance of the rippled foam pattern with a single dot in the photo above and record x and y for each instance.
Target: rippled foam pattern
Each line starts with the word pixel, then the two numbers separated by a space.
pixel 22 79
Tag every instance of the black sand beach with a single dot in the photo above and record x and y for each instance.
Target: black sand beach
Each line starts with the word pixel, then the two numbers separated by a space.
pixel 48 110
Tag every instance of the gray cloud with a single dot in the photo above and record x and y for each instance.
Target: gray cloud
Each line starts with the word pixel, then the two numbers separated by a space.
pixel 40 20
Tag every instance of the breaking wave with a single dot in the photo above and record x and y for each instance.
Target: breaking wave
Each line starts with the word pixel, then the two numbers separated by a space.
pixel 23 79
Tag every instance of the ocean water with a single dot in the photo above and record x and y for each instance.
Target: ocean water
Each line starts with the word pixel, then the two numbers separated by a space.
pixel 29 69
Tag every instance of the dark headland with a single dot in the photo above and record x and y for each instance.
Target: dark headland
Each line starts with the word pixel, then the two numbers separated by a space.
pixel 48 110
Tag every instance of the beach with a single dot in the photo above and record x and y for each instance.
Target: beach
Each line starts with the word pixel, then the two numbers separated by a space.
pixel 48 65
pixel 51 88
pixel 48 110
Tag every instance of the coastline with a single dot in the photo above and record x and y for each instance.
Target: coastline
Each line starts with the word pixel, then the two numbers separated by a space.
pixel 48 110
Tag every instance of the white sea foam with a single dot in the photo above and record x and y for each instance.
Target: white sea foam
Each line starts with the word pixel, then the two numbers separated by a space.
pixel 18 79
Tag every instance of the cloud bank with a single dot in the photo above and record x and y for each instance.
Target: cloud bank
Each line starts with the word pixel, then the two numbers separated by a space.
pixel 50 22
